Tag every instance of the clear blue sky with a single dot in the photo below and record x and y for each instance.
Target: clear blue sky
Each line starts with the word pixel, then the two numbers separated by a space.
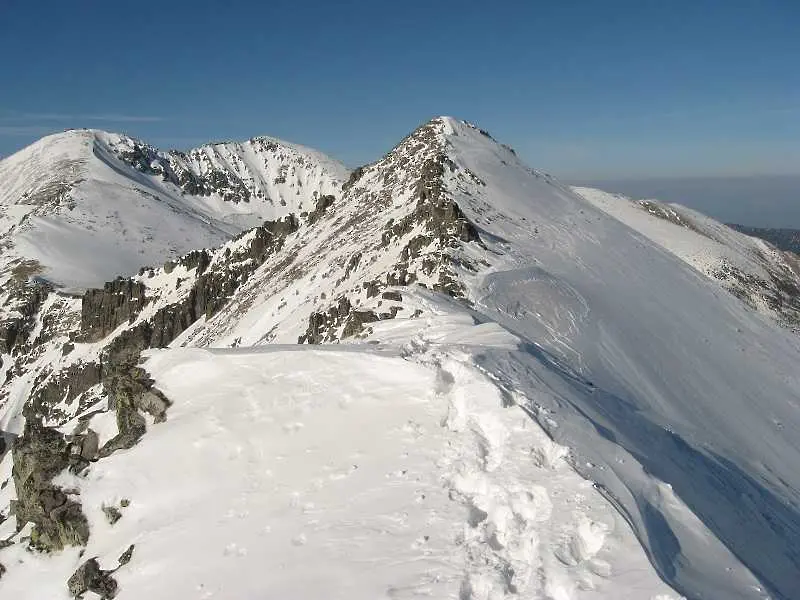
pixel 584 89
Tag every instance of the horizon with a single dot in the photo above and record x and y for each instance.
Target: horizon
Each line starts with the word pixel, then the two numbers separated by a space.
pixel 643 90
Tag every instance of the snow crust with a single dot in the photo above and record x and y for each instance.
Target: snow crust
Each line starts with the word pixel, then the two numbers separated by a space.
pixel 344 473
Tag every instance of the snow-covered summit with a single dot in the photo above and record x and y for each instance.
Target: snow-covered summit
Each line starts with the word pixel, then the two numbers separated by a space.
pixel 86 205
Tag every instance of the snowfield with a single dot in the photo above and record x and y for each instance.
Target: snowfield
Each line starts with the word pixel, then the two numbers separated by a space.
pixel 286 472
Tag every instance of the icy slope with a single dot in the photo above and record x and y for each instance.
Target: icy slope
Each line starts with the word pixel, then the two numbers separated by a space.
pixel 650 372
pixel 765 277
pixel 88 205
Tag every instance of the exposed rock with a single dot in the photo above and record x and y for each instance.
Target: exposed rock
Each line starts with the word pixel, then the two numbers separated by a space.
pixel 356 321
pixel 64 386
pixel 210 292
pixel 25 298
pixel 322 326
pixel 391 295
pixel 323 203
pixel 354 176
pixel 102 311
pixel 90 445
pixel 39 454
pixel 373 288
pixel 112 514
pixel 126 556
pixel 91 578
pixel 198 259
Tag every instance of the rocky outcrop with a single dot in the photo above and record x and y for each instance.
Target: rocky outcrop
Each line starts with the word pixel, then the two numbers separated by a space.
pixel 130 389
pixel 326 326
pixel 322 326
pixel 39 455
pixel 25 300
pixel 102 311
pixel 322 205
pixel 356 322
pixel 119 301
pixel 91 578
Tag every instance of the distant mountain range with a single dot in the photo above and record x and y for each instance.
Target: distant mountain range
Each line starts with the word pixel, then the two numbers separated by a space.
pixel 785 239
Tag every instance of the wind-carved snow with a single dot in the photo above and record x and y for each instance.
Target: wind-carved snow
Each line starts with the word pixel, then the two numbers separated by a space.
pixel 651 356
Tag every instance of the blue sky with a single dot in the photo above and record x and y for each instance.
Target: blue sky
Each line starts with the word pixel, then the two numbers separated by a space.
pixel 584 89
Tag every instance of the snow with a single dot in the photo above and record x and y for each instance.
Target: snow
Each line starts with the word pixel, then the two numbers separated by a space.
pixel 601 418
pixel 649 355
pixel 71 204
pixel 342 473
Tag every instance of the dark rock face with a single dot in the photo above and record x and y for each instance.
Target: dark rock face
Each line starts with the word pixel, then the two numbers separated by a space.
pixel 65 386
pixel 126 556
pixel 354 176
pixel 356 321
pixel 146 159
pixel 323 326
pixel 323 204
pixel 27 299
pixel 121 300
pixel 39 455
pixel 445 224
pixel 102 311
pixel 130 389
pixel 443 216
pixel 91 578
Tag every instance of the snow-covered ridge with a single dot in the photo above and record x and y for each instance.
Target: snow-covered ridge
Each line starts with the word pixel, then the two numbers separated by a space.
pixel 475 304
pixel 88 205
pixel 761 275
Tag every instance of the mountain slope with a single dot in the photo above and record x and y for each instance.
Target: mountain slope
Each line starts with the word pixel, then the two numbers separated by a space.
pixel 465 290
pixel 84 206
pixel 758 273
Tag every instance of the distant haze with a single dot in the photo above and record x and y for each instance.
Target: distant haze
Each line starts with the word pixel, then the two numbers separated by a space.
pixel 758 201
